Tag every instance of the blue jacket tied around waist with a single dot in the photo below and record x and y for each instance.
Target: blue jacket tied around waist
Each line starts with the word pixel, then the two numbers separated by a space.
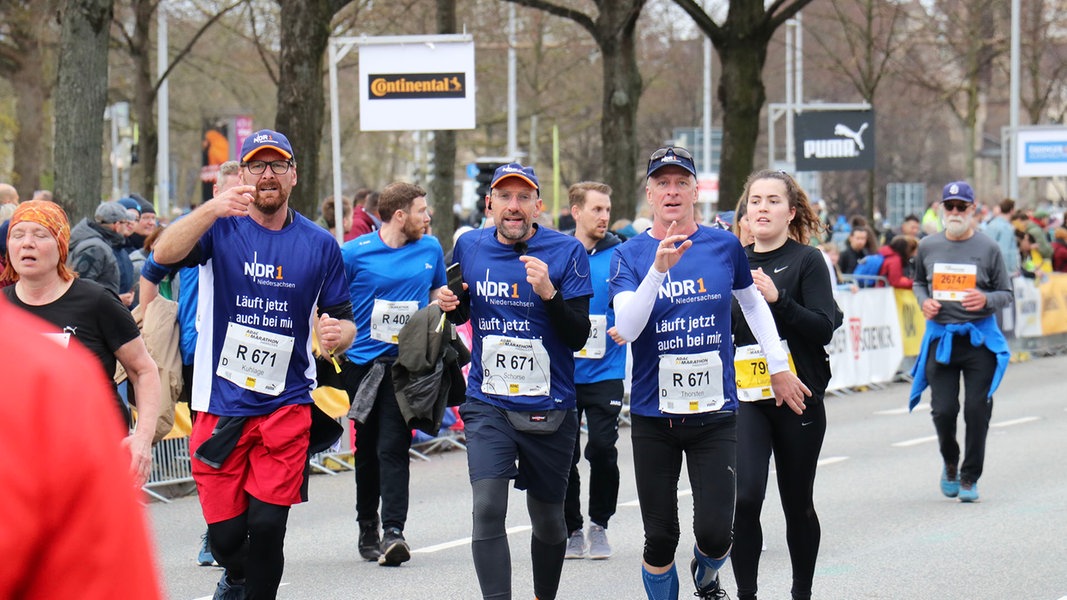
pixel 983 332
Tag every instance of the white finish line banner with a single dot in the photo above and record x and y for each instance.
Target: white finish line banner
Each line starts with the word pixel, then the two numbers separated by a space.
pixel 413 86
pixel 868 347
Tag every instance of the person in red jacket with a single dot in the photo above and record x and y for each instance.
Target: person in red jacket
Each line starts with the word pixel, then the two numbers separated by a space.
pixel 896 256
pixel 1059 250
pixel 78 531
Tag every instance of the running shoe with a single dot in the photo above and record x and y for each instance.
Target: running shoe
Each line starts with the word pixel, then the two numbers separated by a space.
pixel 969 492
pixel 950 481
pixel 205 558
pixel 395 549
pixel 370 545
pixel 599 548
pixel 575 545
pixel 229 590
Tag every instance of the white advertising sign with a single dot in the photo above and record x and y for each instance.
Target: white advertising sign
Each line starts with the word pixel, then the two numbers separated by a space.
pixel 1042 151
pixel 868 347
pixel 413 86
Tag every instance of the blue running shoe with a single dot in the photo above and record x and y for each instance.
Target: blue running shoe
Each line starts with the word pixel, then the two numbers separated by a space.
pixel 205 558
pixel 969 492
pixel 950 482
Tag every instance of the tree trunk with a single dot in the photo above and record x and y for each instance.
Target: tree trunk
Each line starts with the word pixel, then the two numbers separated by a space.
pixel 305 34
pixel 443 177
pixel 81 96
pixel 742 95
pixel 621 94
pixel 144 97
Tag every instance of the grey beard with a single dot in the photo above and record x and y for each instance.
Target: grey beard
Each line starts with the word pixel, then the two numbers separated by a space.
pixel 956 229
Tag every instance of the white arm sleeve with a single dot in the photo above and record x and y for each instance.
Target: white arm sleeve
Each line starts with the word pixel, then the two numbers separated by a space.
pixel 632 309
pixel 761 322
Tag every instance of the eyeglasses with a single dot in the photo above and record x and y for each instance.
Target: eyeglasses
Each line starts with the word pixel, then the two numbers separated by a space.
pixel 506 197
pixel 658 154
pixel 258 167
pixel 956 206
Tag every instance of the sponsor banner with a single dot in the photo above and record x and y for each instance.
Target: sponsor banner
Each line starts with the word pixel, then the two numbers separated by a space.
pixel 912 322
pixel 867 348
pixel 1042 151
pixel 412 86
pixel 1027 308
pixel 837 140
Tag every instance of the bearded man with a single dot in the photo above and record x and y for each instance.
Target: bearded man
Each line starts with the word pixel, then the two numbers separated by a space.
pixel 960 283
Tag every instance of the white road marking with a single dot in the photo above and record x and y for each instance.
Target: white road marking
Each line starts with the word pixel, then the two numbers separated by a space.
pixel 903 410
pixel 915 441
pixel 1018 421
pixel 933 438
pixel 464 542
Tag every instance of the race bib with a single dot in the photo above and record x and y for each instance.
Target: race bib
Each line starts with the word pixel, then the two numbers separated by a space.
pixel 254 359
pixel 951 281
pixel 515 367
pixel 388 317
pixel 690 383
pixel 596 344
pixel 753 376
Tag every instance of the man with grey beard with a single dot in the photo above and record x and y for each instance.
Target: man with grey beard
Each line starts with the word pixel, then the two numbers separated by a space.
pixel 960 283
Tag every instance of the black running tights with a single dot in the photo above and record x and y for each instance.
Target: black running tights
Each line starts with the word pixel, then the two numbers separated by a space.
pixel 251 547
pixel 492 556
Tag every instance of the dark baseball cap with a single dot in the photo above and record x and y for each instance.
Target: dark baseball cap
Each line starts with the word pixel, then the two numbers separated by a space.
pixel 515 170
pixel 671 156
pixel 265 138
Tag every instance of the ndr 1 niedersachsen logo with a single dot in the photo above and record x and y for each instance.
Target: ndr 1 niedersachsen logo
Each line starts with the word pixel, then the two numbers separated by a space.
pixel 417 85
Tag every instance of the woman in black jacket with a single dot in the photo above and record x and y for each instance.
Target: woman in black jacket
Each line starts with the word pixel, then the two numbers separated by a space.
pixel 793 278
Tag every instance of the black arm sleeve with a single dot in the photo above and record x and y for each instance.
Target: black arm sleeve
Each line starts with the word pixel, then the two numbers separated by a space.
pixel 570 319
pixel 341 311
pixel 192 259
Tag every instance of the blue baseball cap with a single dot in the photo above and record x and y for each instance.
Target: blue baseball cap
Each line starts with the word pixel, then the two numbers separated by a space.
pixel 671 156
pixel 515 170
pixel 265 138
pixel 958 190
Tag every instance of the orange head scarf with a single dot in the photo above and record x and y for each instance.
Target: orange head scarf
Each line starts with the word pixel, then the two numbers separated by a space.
pixel 51 216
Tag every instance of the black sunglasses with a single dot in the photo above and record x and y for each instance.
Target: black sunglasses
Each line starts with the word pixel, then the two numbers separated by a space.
pixel 951 206
pixel 658 154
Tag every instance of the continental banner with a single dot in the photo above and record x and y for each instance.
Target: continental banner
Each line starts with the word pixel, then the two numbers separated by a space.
pixel 868 347
pixel 408 85
pixel 912 323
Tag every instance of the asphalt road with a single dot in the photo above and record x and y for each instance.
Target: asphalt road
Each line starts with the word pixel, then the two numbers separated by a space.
pixel 887 531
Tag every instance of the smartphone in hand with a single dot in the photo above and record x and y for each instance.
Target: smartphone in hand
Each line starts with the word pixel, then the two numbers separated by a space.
pixel 455 279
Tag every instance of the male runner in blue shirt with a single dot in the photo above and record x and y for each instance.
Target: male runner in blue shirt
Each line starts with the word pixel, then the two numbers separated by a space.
pixel 267 277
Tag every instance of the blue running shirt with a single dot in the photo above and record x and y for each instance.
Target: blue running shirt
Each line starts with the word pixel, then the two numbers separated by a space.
pixel 689 324
pixel 259 290
pixel 513 339
pixel 603 359
pixel 387 286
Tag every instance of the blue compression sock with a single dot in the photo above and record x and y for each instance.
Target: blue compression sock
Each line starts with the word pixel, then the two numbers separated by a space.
pixel 661 587
pixel 707 568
